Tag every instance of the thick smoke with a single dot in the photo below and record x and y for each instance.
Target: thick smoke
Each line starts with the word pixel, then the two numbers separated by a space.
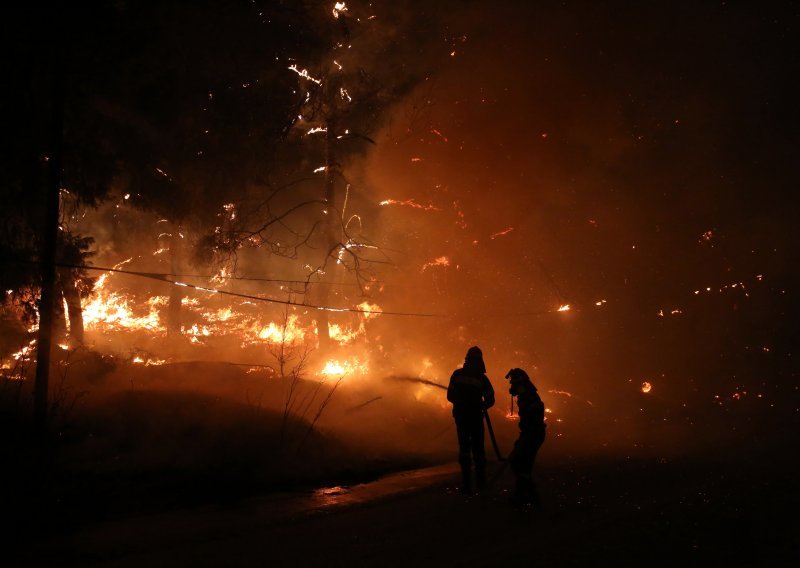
pixel 595 162
pixel 532 158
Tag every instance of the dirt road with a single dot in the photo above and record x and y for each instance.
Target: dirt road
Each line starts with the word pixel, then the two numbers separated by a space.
pixel 597 513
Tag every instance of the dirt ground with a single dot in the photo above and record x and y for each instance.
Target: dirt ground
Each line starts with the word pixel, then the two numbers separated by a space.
pixel 171 477
pixel 697 511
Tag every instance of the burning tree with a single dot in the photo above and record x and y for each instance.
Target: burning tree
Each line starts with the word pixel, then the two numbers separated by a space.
pixel 159 123
pixel 218 131
pixel 343 94
pixel 73 283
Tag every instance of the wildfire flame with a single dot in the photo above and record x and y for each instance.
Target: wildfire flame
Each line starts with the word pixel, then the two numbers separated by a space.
pixel 21 356
pixel 112 310
pixel 108 311
pixel 370 310
pixel 292 332
pixel 340 368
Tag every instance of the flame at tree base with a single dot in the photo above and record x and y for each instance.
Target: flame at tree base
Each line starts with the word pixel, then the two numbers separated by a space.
pixel 344 367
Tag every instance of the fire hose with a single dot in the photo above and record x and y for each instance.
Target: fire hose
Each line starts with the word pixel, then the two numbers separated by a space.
pixel 485 412
pixel 491 436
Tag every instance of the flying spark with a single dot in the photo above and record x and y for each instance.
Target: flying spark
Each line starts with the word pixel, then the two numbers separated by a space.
pixel 409 203
pixel 501 233
pixel 304 74
pixel 339 8
pixel 441 261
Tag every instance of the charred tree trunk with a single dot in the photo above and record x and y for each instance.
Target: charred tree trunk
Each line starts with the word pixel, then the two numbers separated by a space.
pixel 59 332
pixel 323 321
pixel 176 293
pixel 332 172
pixel 74 311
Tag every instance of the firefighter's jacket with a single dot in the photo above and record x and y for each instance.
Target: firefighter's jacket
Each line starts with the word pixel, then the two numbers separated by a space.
pixel 531 410
pixel 470 392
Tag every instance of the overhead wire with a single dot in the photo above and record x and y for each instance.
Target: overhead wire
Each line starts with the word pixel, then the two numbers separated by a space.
pixel 164 277
pixel 161 277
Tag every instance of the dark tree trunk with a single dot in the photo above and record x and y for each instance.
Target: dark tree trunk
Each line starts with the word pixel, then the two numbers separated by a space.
pixel 48 258
pixel 330 217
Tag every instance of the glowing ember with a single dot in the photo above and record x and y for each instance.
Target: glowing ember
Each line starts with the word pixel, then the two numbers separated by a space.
pixel 304 74
pixel 231 209
pixel 409 203
pixel 339 8
pixel 501 233
pixel 562 392
pixel 441 261
pixel 646 387
pixel 439 134
pixel 139 360
pixel 564 308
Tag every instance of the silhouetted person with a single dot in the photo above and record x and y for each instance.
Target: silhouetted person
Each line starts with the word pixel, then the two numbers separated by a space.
pixel 471 392
pixel 531 437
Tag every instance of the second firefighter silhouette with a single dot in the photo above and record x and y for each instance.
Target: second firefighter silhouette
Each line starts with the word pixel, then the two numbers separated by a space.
pixel 531 437
pixel 471 393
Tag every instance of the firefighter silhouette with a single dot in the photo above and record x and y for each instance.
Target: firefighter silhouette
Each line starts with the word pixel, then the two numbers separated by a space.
pixel 531 437
pixel 471 392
